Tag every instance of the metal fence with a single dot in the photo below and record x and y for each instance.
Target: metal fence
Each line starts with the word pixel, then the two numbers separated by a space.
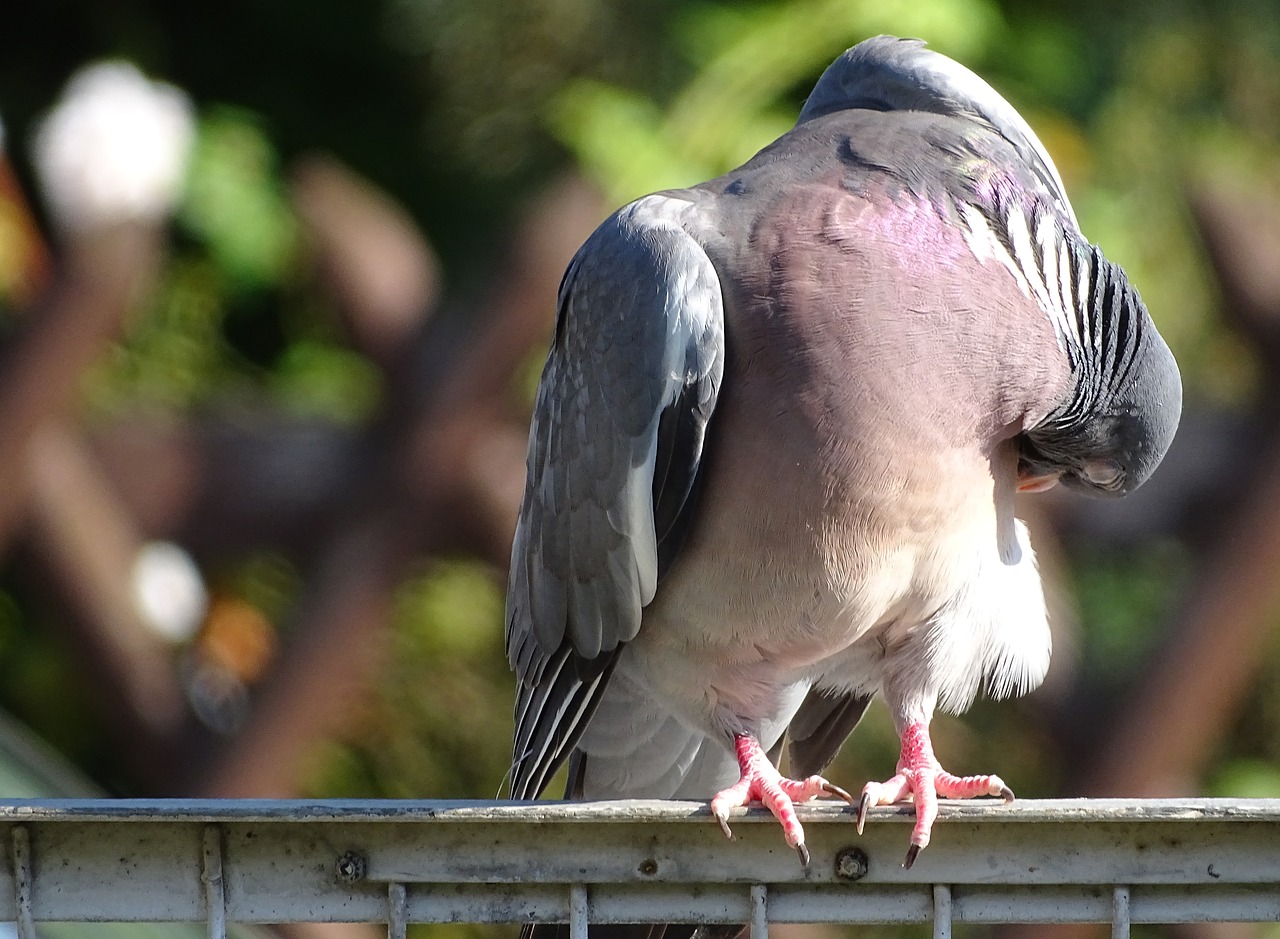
pixel 1139 861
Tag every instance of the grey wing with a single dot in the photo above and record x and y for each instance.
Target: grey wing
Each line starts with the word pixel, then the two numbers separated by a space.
pixel 819 728
pixel 885 73
pixel 614 451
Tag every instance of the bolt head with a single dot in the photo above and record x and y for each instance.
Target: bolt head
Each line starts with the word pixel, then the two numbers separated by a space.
pixel 851 864
pixel 351 866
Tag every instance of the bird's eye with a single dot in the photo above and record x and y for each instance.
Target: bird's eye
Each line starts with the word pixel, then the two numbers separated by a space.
pixel 1103 473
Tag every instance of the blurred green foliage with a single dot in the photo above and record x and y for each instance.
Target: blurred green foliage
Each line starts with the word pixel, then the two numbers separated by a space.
pixel 233 319
pixel 445 683
pixel 234 201
pixel 1125 599
pixel 749 66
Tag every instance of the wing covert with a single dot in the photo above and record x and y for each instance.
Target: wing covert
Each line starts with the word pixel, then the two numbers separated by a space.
pixel 616 439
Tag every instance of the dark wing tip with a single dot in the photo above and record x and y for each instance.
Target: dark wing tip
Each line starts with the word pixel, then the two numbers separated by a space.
pixel 552 714
pixel 822 724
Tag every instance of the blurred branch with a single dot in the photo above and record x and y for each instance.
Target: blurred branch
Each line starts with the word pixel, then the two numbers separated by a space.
pixel 468 448
pixel 1163 737
pixel 95 287
pixel 1240 225
pixel 521 309
pixel 320 682
pixel 224 487
pixel 374 260
pixel 87 540
pixel 455 461
pixel 441 472
pixel 82 533
pixel 1160 740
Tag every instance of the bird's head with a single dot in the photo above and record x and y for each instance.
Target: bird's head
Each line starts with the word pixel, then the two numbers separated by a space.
pixel 1117 422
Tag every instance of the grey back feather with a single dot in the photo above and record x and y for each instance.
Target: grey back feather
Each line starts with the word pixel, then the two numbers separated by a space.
pixel 890 74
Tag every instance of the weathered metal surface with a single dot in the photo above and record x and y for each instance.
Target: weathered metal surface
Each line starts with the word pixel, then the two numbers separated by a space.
pixel 759 921
pixel 1120 913
pixel 942 911
pixel 397 862
pixel 215 898
pixel 349 810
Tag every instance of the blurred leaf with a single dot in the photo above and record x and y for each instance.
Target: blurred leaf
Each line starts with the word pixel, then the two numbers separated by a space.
pixel 1246 779
pixel 1050 57
pixel 452 608
pixel 176 354
pixel 748 59
pixel 266 580
pixel 754 54
pixel 229 319
pixel 11 622
pixel 439 724
pixel 617 135
pixel 234 202
pixel 1123 600
pixel 317 378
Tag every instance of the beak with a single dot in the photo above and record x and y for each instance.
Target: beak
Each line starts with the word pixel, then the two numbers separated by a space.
pixel 1037 483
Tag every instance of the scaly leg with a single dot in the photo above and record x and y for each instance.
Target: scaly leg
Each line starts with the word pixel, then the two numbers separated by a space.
pixel 920 776
pixel 761 782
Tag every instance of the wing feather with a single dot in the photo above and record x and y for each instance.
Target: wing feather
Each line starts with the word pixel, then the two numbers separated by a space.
pixel 820 727
pixel 616 439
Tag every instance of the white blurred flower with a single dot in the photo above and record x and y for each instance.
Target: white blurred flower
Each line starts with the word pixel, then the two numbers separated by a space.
pixel 169 591
pixel 114 148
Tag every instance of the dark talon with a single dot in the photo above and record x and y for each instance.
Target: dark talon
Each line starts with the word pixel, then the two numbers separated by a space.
pixel 1006 793
pixel 864 806
pixel 724 827
pixel 834 790
pixel 804 854
pixel 913 852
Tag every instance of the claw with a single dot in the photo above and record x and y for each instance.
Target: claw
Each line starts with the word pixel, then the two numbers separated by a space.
pixel 913 852
pixel 761 782
pixel 921 781
pixel 724 825
pixel 833 790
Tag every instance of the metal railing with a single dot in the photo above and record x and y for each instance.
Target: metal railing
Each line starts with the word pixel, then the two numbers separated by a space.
pixel 1140 861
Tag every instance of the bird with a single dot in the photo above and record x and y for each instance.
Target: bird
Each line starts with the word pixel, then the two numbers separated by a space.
pixel 776 444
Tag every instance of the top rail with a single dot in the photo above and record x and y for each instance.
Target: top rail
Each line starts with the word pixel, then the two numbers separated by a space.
pixel 256 861
pixel 469 810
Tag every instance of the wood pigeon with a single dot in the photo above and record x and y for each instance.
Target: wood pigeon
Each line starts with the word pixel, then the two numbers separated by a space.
pixel 775 448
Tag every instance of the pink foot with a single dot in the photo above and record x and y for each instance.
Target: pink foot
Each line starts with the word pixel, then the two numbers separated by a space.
pixel 761 782
pixel 920 776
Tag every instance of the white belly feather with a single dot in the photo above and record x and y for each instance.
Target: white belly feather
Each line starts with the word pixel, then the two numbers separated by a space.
pixel 935 622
